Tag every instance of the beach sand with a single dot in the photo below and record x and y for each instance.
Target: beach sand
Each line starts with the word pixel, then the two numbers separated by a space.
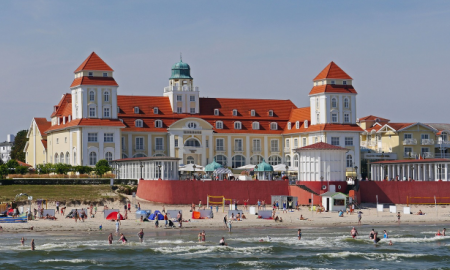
pixel 439 215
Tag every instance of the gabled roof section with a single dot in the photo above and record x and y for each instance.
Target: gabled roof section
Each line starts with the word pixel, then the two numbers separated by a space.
pixel 333 88
pixel 373 118
pixel 93 62
pixel 332 71
pixel 42 125
pixel 44 143
pixel 64 107
pixel 86 80
pixel 322 146
pixel 300 115
pixel 88 122
pixel 439 126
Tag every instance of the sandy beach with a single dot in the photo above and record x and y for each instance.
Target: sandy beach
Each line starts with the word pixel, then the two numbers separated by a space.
pixel 370 216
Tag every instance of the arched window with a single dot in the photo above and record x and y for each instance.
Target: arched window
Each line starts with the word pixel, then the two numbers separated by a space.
pixel 124 156
pixel 106 96
pixel 274 160
pixel 74 158
pixel 270 113
pixel 139 155
pixel 190 160
pixel 346 104
pixel 297 125
pixel 288 160
pixel 56 158
pixel 296 161
pixel 238 161
pixel 219 125
pixel 159 155
pixel 289 125
pixel 349 161
pixel 237 125
pixel 306 124
pixel 192 143
pixel 92 158
pixel 234 112
pixel 91 96
pixel 252 112
pixel 155 110
pixel 67 158
pixel 273 126
pixel 108 156
pixel 61 158
pixel 192 125
pixel 221 159
pixel 139 123
pixel 158 124
pixel 255 160
pixel 333 102
pixel 255 125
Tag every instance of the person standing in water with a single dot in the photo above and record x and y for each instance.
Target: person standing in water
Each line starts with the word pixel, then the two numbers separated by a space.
pixel 385 236
pixel 203 236
pixel 443 231
pixel 222 242
pixel 32 244
pixel 22 241
pixel 225 221
pixel 110 238
pixel 123 238
pixel 354 233
pixel 372 234
pixel 398 217
pixel 229 224
pixel 359 218
pixel 117 227
pixel 299 234
pixel 141 235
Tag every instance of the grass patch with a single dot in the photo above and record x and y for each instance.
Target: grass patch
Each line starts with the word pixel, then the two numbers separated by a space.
pixel 56 192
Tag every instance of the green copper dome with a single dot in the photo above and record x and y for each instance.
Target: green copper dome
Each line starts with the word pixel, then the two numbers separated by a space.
pixel 263 167
pixel 181 70
pixel 212 166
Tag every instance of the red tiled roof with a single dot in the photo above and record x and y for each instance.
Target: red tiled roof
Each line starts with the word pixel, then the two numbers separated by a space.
pixel 86 80
pixel 301 115
pixel 398 126
pixel 373 118
pixel 44 143
pixel 322 146
pixel 332 71
pixel 330 127
pixel 333 88
pixel 42 125
pixel 23 164
pixel 375 127
pixel 64 107
pixel 88 122
pixel 93 62
pixel 413 161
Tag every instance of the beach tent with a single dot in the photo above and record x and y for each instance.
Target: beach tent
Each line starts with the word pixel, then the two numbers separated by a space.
pixel 113 216
pixel 160 216
pixel 196 215
pixel 143 213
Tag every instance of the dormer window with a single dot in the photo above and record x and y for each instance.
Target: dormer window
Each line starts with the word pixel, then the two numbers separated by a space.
pixel 234 112
pixel 297 125
pixel 216 111
pixel 306 124
pixel 219 125
pixel 91 73
pixel 333 82
pixel 289 125
pixel 273 126
pixel 118 109
pixel 139 123
pixel 255 125
pixel 105 74
pixel 270 112
pixel 136 109
pixel 155 110
pixel 237 125
pixel 158 124
pixel 344 82
pixel 252 113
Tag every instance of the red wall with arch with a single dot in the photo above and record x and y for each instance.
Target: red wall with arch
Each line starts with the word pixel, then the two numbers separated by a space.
pixel 187 192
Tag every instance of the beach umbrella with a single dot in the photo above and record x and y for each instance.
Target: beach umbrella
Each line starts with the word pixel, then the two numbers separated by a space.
pixel 113 216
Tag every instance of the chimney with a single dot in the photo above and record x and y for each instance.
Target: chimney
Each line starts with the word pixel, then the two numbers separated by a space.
pixel 10 138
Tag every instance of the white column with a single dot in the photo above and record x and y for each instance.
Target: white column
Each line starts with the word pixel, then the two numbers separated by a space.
pixel 130 145
pixel 409 172
pixel 171 145
pixel 247 149
pixel 446 171
pixel 430 176
pixel 398 171
pixel 389 172
pixel 435 172
pixel 381 172
pixel 211 147
pixel 372 176
pixel 266 149
pixel 229 156
pixel 419 172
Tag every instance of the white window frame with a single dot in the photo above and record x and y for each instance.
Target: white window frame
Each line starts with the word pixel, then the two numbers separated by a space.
pixel 297 124
pixel 346 103
pixel 274 126
pixel 179 98
pixel 139 123
pixel 90 74
pixel 334 117
pixel 252 113
pixel 139 143
pixel 237 125
pixel 159 147
pixel 287 143
pixel 105 74
pixel 192 110
pixel 108 137
pixel 344 82
pixel 349 161
pixel 91 96
pixel 295 143
pixel 219 125
pixel 271 113
pixel 335 141
pixel 334 102
pixel 136 110
pixel 92 112
pixel 179 109
pixel 216 111
pixel 92 158
pixel 106 96
pixel 289 125
pixel 346 118
pixel 220 146
pixel 255 125
pixel 274 145
pixel 238 145
pixel 192 98
pixel 235 112
pixel 256 145
pixel 407 134
pixel 156 110
pixel 304 141
pixel 348 141
pixel 176 142
pixel 92 137
pixel 158 124
pixel 106 113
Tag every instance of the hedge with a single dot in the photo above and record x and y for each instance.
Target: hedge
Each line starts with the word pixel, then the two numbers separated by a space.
pixel 66 181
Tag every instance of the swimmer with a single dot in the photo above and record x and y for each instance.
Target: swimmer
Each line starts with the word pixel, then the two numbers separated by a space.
pixel 299 234
pixel 22 241
pixel 123 238
pixel 354 233
pixel 390 242
pixel 141 235
pixel 199 236
pixel 438 233
pixel 110 238
pixel 372 234
pixel 376 239
pixel 443 231
pixel 222 242
pixel 32 244
pixel 385 235
pixel 203 236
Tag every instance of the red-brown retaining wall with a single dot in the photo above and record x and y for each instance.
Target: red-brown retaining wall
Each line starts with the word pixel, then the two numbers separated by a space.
pixel 397 192
pixel 187 192
pixel 316 186
pixel 304 196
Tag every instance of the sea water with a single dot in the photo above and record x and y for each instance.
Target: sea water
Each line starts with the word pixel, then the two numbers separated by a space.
pixel 414 247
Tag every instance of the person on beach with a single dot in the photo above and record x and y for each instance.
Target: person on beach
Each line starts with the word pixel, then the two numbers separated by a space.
pixel 199 237
pixel 264 205
pixel 22 241
pixel 117 226
pixel 95 210
pixel 443 231
pixel 118 217
pixel 354 233
pixel 398 217
pixel 229 224
pixel 57 207
pixel 259 205
pixel 156 221
pixel 284 207
pixel 33 247
pixel 126 215
pixel 302 218
pixel 180 218
pixel 164 209
pixel 75 215
pixel 141 235
pixel 123 238
pixel 245 204
pixel 83 215
pixel 110 238
pixel 166 219
pixel 235 205
pixel 222 242
pixel 359 217
pixel 129 207
pixel 203 236
pixel 299 234
pixel 225 221
pixel 385 236
pixel 372 234
pixel 390 242
pixel 199 204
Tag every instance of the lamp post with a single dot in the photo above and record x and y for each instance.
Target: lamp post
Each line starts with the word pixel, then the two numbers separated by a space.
pixel 287 167
pixel 356 172
pixel 194 169
pixel 256 171
pixel 141 165
pixel 159 167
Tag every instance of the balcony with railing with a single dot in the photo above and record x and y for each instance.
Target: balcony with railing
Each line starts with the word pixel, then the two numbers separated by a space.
pixel 238 149
pixel 442 155
pixel 409 142
pixel 427 141
pixel 256 149
pixel 427 155
pixel 274 149
pixel 181 88
pixel 442 143
pixel 409 154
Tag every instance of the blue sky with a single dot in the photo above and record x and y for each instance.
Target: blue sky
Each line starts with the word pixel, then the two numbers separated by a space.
pixel 396 51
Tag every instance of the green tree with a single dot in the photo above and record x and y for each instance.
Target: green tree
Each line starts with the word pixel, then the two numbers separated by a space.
pixel 1 161
pixel 61 168
pixel 12 164
pixel 22 169
pixel 19 145
pixel 83 169
pixel 102 167
pixel 45 168
pixel 3 170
